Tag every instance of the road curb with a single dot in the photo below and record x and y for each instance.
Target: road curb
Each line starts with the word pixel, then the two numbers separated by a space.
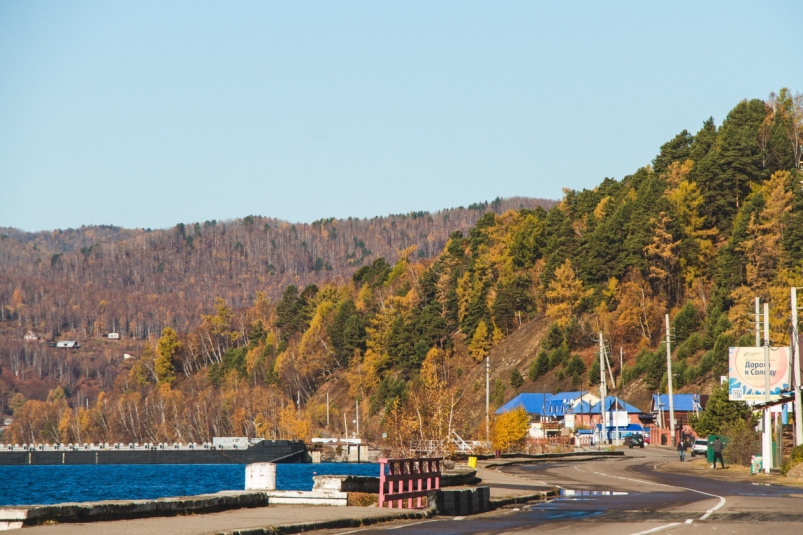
pixel 576 458
pixel 614 453
pixel 513 500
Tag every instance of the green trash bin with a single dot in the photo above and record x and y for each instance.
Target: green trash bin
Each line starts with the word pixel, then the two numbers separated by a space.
pixel 710 452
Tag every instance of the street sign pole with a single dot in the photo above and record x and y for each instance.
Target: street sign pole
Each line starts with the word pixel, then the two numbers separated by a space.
pixel 603 391
pixel 766 450
pixel 796 361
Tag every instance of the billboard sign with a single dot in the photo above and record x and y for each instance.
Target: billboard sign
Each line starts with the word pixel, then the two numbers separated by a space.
pixel 746 373
pixel 618 418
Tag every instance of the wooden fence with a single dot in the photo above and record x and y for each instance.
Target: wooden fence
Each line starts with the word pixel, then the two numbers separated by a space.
pixel 419 476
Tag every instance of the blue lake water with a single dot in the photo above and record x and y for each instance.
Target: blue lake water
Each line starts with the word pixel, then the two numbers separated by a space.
pixel 29 485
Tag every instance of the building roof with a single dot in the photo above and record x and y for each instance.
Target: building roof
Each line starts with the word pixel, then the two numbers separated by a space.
pixel 568 396
pixel 532 402
pixel 558 405
pixel 616 404
pixel 583 407
pixel 553 405
pixel 681 402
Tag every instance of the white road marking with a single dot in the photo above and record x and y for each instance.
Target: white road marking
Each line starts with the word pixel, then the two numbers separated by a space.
pixel 459 518
pixel 708 513
pixel 659 528
pixel 722 500
pixel 689 521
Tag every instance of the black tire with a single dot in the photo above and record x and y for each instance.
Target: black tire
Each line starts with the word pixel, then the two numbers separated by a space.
pixel 642 446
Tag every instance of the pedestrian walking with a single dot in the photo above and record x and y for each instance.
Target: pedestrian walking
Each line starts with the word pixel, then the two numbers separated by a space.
pixel 682 450
pixel 717 447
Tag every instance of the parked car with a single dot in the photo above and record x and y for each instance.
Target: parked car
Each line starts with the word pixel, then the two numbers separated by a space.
pixel 634 441
pixel 700 447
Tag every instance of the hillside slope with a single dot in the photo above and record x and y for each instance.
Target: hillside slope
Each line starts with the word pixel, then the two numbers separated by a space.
pixel 715 221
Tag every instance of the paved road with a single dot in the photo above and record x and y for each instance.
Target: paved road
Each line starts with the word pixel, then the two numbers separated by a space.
pixel 629 496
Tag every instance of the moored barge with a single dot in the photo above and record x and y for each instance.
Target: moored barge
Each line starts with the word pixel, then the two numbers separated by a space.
pixel 223 450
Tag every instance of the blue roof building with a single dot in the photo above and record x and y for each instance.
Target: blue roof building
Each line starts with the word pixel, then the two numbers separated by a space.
pixel 682 403
pixel 684 406
pixel 613 403
pixel 546 405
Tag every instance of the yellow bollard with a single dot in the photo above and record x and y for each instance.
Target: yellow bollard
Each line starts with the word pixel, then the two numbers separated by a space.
pixel 472 462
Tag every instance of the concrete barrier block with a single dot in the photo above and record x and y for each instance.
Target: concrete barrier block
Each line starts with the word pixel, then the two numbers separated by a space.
pixel 259 476
pixel 366 484
pixel 464 501
pixel 301 497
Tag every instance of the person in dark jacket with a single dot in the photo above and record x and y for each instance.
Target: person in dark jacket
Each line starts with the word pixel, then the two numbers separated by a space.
pixel 682 449
pixel 717 447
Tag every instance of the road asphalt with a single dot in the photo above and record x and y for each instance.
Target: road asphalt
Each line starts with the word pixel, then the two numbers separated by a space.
pixel 646 491
pixel 637 494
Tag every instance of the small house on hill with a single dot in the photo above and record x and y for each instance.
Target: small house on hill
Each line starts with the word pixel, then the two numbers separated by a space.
pixel 30 336
pixel 67 344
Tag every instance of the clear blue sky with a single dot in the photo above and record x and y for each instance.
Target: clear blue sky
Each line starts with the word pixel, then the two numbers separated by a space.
pixel 150 113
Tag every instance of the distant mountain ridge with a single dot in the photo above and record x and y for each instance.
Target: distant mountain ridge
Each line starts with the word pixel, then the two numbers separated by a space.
pixel 149 279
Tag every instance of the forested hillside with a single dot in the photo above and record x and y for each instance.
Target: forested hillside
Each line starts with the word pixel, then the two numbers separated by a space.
pixel 136 282
pixel 715 220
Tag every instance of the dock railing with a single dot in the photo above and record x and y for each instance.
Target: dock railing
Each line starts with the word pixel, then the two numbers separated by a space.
pixel 420 476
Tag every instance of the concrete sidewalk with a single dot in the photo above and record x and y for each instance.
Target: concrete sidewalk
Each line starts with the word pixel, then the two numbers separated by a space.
pixel 506 485
pixel 271 519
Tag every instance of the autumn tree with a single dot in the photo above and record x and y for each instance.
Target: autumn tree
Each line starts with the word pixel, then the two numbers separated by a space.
pixel 480 344
pixel 565 294
pixel 167 348
pixel 639 312
pixel 510 429
pixel 765 231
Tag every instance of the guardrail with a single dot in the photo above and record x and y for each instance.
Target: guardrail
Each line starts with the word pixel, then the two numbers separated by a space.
pixel 412 473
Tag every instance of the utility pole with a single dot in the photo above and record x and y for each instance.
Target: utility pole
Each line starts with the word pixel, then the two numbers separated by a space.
pixel 603 391
pixel 327 410
pixel 345 426
pixel 357 412
pixel 610 370
pixel 758 322
pixel 796 360
pixel 621 368
pixel 669 382
pixel 767 438
pixel 487 397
